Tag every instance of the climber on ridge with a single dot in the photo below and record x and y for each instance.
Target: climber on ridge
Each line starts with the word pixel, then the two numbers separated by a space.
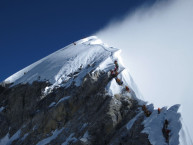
pixel 119 81
pixel 127 88
pixel 147 112
pixel 116 65
pixel 114 73
pixel 167 135
pixel 166 124
pixel 159 110
pixel 166 131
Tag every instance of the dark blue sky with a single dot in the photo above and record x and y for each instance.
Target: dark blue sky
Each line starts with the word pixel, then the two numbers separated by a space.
pixel 30 30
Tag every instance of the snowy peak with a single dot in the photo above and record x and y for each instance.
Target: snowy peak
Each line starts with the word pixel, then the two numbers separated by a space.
pixel 58 67
pixel 72 63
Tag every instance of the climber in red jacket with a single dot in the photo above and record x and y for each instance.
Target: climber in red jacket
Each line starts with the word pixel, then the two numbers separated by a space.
pixel 119 81
pixel 159 110
pixel 167 135
pixel 127 89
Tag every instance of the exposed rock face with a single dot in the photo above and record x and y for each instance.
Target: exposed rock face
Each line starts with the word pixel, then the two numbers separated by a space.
pixel 84 115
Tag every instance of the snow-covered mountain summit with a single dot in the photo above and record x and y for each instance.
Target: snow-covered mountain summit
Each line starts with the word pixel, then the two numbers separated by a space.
pixel 57 67
pixel 82 95
pixel 72 63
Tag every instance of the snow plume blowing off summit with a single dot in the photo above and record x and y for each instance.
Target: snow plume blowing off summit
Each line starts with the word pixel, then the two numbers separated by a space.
pixel 157 47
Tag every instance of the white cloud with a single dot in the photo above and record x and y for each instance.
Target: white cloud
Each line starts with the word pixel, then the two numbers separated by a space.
pixel 157 47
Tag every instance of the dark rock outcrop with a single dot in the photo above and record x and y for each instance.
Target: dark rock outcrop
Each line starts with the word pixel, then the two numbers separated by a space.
pixel 84 115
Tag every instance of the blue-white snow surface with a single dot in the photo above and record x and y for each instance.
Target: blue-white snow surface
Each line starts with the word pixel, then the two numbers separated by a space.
pixel 57 67
pixel 72 61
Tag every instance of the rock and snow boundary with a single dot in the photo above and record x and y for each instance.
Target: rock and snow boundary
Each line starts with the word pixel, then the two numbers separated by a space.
pixel 72 63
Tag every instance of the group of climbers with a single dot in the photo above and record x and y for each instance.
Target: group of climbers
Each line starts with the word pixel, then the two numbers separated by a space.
pixel 116 65
pixel 119 81
pixel 146 111
pixel 114 74
pixel 166 131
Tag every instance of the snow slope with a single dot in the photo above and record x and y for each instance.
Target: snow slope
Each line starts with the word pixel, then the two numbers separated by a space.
pixel 68 64
pixel 71 63
pixel 57 66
